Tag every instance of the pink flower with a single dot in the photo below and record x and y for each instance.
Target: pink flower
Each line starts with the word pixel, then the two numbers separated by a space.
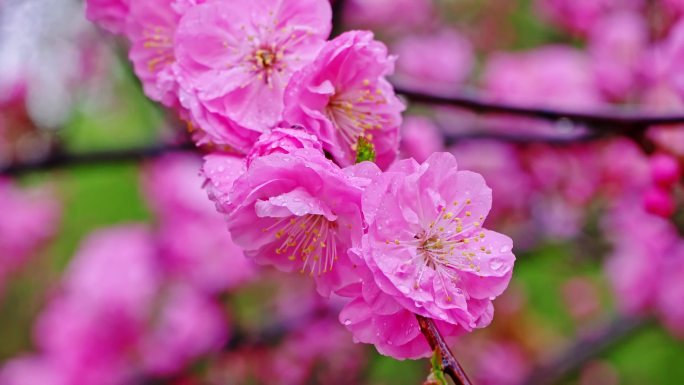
pixel 425 243
pixel 220 172
pixel 665 170
pixel 420 137
pixel 235 59
pixel 188 326
pixel 31 370
pixel 671 291
pixel 451 60
pixel 283 140
pixel 551 76
pixel 617 43
pixel 579 16
pixel 502 363
pixel 343 95
pixel 299 211
pixel 377 318
pixel 110 14
pixel 391 15
pixel 194 244
pixel 29 218
pixel 151 29
pixel 102 307
pixel 640 243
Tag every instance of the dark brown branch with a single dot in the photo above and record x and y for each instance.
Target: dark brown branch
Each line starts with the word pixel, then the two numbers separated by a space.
pixel 449 363
pixel 616 121
pixel 58 160
pixel 583 350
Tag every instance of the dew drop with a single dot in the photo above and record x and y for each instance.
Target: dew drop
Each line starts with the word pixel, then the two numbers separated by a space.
pixel 505 249
pixel 347 322
pixel 496 264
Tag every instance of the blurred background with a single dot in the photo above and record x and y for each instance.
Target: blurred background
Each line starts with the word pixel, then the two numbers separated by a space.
pixel 115 268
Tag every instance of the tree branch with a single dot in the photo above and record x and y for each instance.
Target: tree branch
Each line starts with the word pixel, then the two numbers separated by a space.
pixel 450 365
pixel 616 121
pixel 61 159
pixel 584 349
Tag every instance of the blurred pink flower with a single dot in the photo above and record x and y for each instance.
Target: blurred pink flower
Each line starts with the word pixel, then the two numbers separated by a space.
pixel 234 60
pixel 189 325
pixel 343 95
pixel 31 370
pixel 420 137
pixel 101 311
pixel 425 243
pixel 671 290
pixel 194 245
pixel 665 170
pixel 109 14
pixel 640 241
pixel 550 76
pixel 29 218
pixel 389 15
pixel 616 45
pixel 451 61
pixel 579 16
pixel 502 363
pixel 298 211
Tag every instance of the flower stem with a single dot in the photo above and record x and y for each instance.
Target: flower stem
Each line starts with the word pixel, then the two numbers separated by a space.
pixel 449 363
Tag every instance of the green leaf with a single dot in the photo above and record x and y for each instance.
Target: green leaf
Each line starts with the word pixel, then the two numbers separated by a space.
pixel 365 150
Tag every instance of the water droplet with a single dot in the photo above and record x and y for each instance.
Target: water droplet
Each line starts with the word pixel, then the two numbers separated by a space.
pixel 496 264
pixel 492 298
pixel 221 169
pixel 472 324
pixel 347 322
pixel 505 249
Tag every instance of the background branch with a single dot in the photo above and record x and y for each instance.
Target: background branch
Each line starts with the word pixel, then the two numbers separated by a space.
pixel 584 349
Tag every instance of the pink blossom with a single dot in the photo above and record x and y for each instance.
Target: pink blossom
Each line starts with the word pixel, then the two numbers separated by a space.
pixel 551 76
pixel 671 290
pixel 110 14
pixel 298 211
pixel 420 137
pixel 102 308
pixel 343 95
pixel 31 370
pixel 617 43
pixel 451 60
pixel 425 243
pixel 29 218
pixel 502 363
pixel 235 59
pixel 220 172
pixel 194 244
pixel 634 267
pixel 188 326
pixel 390 15
pixel 665 170
pixel 151 28
pixel 659 201
pixel 283 140
pixel 579 16
pixel 375 317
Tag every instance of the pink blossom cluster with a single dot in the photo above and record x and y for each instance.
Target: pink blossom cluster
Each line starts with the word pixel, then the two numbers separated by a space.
pixel 646 266
pixel 134 302
pixel 291 118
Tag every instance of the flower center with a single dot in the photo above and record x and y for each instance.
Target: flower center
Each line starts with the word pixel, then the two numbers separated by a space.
pixel 158 39
pixel 353 113
pixel 265 61
pixel 311 239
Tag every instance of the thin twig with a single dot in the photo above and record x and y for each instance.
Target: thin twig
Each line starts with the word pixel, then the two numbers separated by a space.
pixel 584 349
pixel 436 341
pixel 618 121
